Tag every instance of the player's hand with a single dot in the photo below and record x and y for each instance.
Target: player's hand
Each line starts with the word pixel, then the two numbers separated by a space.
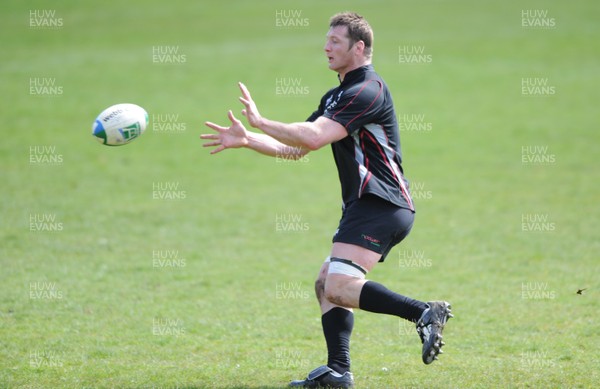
pixel 231 137
pixel 250 112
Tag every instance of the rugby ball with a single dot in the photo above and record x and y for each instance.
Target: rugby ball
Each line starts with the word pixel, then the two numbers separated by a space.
pixel 119 124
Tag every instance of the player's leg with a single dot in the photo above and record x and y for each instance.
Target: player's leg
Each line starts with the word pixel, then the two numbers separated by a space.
pixel 368 230
pixel 348 288
pixel 337 322
pixel 339 288
pixel 337 325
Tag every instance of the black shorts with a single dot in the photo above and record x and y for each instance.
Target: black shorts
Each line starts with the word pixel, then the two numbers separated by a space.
pixel 375 224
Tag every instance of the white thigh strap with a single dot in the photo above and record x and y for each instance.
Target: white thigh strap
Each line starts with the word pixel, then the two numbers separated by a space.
pixel 346 267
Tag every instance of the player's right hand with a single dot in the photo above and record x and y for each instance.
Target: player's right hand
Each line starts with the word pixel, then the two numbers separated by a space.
pixel 232 137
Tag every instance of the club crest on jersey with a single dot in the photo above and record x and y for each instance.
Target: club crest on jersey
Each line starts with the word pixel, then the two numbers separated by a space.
pixel 329 104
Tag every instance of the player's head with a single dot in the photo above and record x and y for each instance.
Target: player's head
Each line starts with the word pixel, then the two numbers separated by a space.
pixel 349 42
pixel 358 29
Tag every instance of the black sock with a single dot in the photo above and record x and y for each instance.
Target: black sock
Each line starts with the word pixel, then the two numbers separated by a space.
pixel 337 328
pixel 377 298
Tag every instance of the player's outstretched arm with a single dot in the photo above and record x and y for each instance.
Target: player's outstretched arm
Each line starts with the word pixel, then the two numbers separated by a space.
pixel 304 135
pixel 236 136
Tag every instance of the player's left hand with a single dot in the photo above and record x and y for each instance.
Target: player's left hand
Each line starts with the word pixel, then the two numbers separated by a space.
pixel 251 111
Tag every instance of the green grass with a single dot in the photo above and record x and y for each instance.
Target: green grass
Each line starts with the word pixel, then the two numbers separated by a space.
pixel 107 316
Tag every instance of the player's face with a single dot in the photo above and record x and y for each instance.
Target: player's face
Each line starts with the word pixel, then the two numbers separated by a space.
pixel 338 50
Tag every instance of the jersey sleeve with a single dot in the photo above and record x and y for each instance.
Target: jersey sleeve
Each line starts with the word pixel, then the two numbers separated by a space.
pixel 314 115
pixel 357 106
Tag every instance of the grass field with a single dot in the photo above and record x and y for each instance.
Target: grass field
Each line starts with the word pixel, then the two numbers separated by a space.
pixel 158 265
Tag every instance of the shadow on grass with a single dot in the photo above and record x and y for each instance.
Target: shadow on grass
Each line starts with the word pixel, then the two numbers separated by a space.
pixel 213 386
pixel 237 387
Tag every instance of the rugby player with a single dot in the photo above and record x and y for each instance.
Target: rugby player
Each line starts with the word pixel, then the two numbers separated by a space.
pixel 357 118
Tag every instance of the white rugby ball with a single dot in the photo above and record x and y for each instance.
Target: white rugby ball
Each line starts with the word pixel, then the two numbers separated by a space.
pixel 119 124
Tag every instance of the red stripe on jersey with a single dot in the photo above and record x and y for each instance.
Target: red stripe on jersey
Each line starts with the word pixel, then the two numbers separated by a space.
pixel 383 156
pixel 367 178
pixel 372 102
pixel 385 159
pixel 362 146
pixel 406 194
pixel 365 163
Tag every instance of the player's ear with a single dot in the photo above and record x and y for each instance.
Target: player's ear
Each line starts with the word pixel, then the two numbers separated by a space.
pixel 360 47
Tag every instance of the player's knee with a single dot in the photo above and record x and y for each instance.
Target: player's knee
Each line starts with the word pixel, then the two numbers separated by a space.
pixel 329 292
pixel 334 288
pixel 341 276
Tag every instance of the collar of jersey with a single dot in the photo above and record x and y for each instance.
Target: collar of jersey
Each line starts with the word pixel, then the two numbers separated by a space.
pixel 355 74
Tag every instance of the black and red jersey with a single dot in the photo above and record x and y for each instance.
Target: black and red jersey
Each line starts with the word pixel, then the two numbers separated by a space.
pixel 369 159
